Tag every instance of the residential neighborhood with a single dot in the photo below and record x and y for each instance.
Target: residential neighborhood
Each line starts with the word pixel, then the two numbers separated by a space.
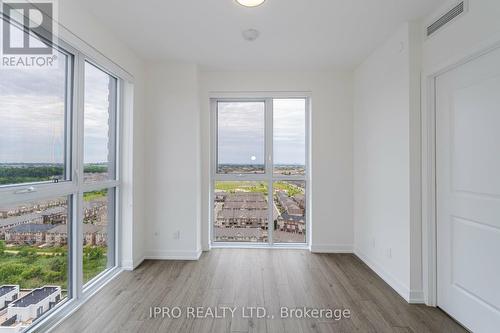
pixel 241 213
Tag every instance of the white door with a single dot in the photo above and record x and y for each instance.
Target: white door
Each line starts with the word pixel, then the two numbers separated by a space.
pixel 468 192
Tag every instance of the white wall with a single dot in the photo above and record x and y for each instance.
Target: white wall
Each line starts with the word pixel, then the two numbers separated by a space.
pixel 386 109
pixel 331 143
pixel 75 17
pixel 172 162
pixel 476 29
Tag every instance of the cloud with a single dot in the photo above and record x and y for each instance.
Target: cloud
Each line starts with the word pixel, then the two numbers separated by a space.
pixel 32 113
pixel 241 132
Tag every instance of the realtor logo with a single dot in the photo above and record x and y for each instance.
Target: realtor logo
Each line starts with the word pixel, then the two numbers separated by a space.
pixel 28 33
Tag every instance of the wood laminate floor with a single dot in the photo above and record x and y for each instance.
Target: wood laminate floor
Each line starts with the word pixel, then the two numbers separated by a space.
pixel 244 278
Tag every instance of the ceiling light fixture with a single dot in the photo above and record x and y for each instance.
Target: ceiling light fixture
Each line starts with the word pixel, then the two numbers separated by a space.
pixel 250 3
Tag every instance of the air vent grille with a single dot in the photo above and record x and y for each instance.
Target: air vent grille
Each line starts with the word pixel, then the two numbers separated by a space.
pixel 446 18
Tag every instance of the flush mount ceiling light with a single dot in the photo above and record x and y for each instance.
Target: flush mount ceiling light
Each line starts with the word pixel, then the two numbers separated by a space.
pixel 250 3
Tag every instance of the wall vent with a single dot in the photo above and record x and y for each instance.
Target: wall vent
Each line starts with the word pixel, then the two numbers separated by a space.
pixel 446 18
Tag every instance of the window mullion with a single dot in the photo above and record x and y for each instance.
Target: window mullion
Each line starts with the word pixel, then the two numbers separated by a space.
pixel 77 238
pixel 269 168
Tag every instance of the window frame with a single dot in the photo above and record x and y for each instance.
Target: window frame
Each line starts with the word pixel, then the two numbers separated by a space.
pixel 269 177
pixel 73 186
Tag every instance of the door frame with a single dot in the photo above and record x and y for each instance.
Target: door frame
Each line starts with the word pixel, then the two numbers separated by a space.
pixel 428 165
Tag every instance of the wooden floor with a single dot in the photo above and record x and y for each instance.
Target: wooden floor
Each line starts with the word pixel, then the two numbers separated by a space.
pixel 243 278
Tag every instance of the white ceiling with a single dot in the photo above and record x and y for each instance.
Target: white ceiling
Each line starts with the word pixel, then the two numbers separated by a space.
pixel 294 34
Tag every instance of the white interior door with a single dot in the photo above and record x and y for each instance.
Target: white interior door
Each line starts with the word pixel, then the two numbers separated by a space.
pixel 468 192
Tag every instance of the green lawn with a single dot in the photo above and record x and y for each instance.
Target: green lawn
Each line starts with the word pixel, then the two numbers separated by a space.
pixel 290 189
pixel 256 187
pixel 233 186
pixel 91 196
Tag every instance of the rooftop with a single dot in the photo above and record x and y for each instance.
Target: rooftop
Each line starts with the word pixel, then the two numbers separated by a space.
pixel 42 203
pixel 35 296
pixel 87 229
pixel 245 196
pixel 6 289
pixel 294 218
pixel 31 227
pixel 32 216
pixel 19 219
pixel 245 205
pixel 239 232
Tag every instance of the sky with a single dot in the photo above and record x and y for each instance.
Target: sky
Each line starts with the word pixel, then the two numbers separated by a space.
pixel 32 114
pixel 241 132
pixel 96 121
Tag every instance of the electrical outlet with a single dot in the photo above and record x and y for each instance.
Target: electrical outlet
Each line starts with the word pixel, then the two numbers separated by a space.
pixel 373 242
pixel 177 235
pixel 389 253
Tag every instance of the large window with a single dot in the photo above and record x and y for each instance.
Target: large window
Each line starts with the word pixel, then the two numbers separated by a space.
pixel 58 184
pixel 259 173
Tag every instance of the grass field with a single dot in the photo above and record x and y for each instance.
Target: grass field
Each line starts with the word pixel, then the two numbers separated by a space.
pixel 261 187
pixel 32 267
pixel 90 196
pixel 230 186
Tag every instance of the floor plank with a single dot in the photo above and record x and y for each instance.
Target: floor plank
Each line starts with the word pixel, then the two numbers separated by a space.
pixel 250 278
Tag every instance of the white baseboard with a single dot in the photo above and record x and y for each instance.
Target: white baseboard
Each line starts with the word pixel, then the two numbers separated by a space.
pixel 173 255
pixel 130 265
pixel 332 248
pixel 417 297
pixel 414 297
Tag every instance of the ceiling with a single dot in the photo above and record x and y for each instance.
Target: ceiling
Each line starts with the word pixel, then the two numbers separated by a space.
pixel 294 34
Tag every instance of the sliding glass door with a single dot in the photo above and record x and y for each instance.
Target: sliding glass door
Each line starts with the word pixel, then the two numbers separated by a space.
pixel 259 171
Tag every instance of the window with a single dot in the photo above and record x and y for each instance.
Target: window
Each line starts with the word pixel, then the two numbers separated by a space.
pixel 99 156
pixel 34 105
pixel 260 173
pixel 59 184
